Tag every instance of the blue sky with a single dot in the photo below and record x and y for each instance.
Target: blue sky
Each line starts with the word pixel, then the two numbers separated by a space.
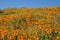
pixel 28 3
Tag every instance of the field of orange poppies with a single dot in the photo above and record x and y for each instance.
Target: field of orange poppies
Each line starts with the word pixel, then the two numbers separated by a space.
pixel 30 23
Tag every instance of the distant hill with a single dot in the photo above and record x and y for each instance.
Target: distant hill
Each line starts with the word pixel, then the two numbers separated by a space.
pixel 22 10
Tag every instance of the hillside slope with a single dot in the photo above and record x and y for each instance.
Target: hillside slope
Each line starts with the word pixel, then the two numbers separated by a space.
pixel 30 23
